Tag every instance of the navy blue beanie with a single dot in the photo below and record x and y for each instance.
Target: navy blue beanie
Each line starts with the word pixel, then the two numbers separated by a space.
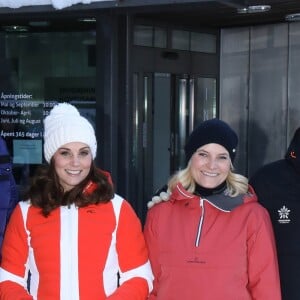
pixel 212 131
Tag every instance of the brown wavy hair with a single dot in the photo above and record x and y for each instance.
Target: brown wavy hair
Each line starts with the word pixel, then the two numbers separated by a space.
pixel 47 193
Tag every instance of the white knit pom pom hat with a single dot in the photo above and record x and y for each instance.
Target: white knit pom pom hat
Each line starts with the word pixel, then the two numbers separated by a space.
pixel 64 125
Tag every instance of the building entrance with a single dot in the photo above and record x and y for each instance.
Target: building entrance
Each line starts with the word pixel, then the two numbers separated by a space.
pixel 166 108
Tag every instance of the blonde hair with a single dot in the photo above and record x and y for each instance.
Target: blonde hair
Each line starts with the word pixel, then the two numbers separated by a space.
pixel 236 184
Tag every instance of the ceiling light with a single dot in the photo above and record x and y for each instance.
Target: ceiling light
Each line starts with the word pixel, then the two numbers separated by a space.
pixel 15 28
pixel 258 8
pixel 293 17
pixel 243 10
pixel 87 20
pixel 252 9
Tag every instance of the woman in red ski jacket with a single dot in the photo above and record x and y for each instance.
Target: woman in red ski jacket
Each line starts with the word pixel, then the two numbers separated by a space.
pixel 76 238
pixel 212 240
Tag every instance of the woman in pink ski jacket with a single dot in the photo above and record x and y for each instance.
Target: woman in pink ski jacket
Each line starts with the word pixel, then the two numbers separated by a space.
pixel 212 240
pixel 74 236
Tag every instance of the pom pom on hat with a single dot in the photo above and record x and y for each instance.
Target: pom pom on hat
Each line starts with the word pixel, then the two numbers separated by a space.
pixel 64 125
pixel 212 131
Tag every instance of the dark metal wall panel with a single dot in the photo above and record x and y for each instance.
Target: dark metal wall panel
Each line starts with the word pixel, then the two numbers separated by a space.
pixel 204 64
pixel 268 94
pixel 259 90
pixel 234 56
pixel 293 104
pixel 107 94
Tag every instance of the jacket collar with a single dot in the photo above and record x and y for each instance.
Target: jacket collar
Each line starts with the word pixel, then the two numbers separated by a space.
pixel 221 201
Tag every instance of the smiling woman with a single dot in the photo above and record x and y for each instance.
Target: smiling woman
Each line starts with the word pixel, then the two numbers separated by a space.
pixel 72 163
pixel 212 239
pixel 76 237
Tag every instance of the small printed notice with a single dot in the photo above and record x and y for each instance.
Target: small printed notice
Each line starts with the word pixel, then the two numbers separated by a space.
pixel 21 125
pixel 22 117
pixel 27 151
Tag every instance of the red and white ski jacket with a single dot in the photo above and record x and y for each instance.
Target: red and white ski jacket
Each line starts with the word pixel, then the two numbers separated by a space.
pixel 75 254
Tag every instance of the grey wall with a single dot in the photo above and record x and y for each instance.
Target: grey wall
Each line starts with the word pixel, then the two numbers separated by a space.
pixel 259 90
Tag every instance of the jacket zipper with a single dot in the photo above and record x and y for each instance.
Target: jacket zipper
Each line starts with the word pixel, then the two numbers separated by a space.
pixel 199 230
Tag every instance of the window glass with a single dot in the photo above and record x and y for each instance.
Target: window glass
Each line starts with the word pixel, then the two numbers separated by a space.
pixel 38 70
pixel 143 35
pixel 203 42
pixel 180 40
pixel 160 37
pixel 206 101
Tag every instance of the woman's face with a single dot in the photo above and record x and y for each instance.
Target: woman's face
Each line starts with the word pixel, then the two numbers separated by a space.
pixel 210 165
pixel 72 163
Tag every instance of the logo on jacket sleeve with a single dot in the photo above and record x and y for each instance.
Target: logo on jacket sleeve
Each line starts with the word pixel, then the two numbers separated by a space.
pixel 284 215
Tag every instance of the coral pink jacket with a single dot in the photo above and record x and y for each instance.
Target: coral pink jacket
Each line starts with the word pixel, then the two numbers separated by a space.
pixel 75 254
pixel 214 249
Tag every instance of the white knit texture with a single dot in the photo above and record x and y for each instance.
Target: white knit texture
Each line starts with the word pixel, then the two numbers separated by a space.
pixel 65 125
